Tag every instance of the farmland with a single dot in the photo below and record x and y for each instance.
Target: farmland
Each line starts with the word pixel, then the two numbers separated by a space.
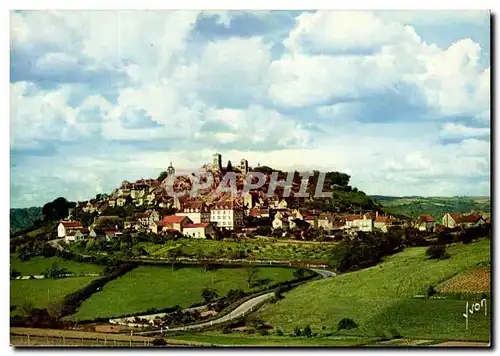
pixel 381 299
pixel 37 265
pixel 149 287
pixel 40 293
pixel 472 281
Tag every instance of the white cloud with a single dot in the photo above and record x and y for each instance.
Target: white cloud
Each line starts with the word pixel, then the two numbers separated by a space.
pixel 451 130
pixel 146 78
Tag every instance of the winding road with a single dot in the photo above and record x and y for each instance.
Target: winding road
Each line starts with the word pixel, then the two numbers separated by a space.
pixel 245 308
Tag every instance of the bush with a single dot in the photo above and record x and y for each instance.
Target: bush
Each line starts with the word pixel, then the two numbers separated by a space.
pixel 263 332
pixel 431 291
pixel 14 274
pixel 346 324
pixel 279 332
pixel 395 334
pixel 436 252
pixel 296 332
pixel 307 331
pixel 159 342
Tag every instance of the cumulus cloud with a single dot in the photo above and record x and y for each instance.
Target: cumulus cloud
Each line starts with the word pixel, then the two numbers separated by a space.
pixel 361 92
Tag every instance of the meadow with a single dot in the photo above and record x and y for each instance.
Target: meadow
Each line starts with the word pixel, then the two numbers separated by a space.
pixel 41 292
pixel 149 287
pixel 37 265
pixel 383 300
pixel 257 248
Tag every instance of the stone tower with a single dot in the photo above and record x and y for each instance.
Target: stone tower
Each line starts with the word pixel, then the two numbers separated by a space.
pixel 217 162
pixel 171 170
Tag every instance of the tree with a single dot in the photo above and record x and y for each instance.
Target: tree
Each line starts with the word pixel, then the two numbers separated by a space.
pixel 162 176
pixel 300 273
pixel 25 306
pixel 209 295
pixel 55 272
pixel 346 324
pixel 55 309
pixel 250 276
pixel 436 252
pixel 56 210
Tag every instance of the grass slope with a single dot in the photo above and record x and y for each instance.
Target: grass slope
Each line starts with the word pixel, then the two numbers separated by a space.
pixel 257 340
pixel 380 298
pixel 37 265
pixel 41 292
pixel 253 248
pixel 149 287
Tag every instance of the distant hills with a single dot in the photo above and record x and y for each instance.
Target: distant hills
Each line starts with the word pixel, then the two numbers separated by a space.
pixel 24 218
pixel 412 206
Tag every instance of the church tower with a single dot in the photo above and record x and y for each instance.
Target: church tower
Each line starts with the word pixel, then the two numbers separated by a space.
pixel 217 162
pixel 171 170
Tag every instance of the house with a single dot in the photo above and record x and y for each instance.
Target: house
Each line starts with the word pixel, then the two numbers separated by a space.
pixel 472 220
pixel 227 215
pixel 362 222
pixel 198 212
pixel 75 235
pixel 382 222
pixel 172 222
pixel 199 230
pixel 112 203
pixel 451 220
pixel 66 227
pixel 425 222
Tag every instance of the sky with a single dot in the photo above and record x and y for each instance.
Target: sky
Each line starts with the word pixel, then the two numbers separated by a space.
pixel 400 100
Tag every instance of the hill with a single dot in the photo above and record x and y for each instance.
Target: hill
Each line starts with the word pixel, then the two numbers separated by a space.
pixel 435 206
pixel 381 299
pixel 24 218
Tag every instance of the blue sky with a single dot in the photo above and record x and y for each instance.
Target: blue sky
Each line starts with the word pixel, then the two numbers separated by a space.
pixel 399 100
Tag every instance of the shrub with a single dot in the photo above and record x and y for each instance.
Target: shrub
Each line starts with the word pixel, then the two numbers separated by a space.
pixel 307 331
pixel 279 332
pixel 14 274
pixel 395 334
pixel 226 330
pixel 431 291
pixel 263 332
pixel 159 342
pixel 436 252
pixel 296 332
pixel 346 324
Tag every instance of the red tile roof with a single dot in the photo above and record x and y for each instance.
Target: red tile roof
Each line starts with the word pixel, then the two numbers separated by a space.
pixel 173 219
pixel 426 218
pixel 187 226
pixel 472 218
pixel 456 216
pixel 75 224
pixel 383 219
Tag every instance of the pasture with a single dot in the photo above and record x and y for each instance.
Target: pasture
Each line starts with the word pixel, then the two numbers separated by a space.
pixel 381 299
pixel 149 287
pixel 37 265
pixel 41 292
pixel 257 248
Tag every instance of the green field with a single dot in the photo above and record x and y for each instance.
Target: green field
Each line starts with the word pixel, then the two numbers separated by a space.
pixel 149 287
pixel 380 299
pixel 240 339
pixel 43 291
pixel 37 265
pixel 257 248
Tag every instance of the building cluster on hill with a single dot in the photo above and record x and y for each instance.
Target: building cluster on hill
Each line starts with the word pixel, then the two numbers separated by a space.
pixel 200 216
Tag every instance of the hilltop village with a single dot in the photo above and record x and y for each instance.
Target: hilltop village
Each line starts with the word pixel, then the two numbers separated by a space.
pixel 144 206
